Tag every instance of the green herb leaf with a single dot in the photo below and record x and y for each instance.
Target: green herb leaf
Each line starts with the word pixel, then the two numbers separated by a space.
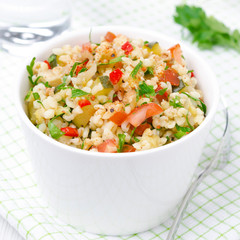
pixel 36 96
pixel 137 94
pixel 72 71
pixel 40 102
pixel 190 126
pixel 112 61
pixel 189 71
pixel 82 70
pixel 146 90
pixel 78 93
pixel 136 139
pixel 203 107
pixel 175 102
pixel 181 131
pixel 74 68
pixel 136 69
pixel 207 31
pixel 105 81
pixel 121 138
pixel 149 71
pixel 30 72
pixel 28 94
pixel 47 85
pixel 52 60
pixel 146 42
pixel 131 135
pixel 162 91
pixel 166 67
pixel 55 132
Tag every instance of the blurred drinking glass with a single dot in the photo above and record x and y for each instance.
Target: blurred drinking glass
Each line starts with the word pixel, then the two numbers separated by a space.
pixel 24 22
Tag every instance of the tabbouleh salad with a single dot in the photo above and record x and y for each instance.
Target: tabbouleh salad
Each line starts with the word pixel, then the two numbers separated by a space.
pixel 120 95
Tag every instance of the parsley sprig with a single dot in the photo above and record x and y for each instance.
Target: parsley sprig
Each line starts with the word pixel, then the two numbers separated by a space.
pixel 54 131
pixel 30 72
pixel 203 106
pixel 175 102
pixel 206 30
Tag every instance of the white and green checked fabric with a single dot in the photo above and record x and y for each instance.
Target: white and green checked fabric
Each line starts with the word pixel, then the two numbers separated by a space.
pixel 214 212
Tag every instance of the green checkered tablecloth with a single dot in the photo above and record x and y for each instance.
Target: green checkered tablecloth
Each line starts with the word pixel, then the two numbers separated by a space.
pixel 214 212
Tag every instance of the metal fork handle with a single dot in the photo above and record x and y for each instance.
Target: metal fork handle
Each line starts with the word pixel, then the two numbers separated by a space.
pixel 188 196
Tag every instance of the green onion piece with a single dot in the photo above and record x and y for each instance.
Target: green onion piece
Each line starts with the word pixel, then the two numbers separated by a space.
pixel 136 69
pixel 146 42
pixel 53 60
pixel 78 93
pixel 121 138
pixel 189 71
pixel 36 96
pixel 166 67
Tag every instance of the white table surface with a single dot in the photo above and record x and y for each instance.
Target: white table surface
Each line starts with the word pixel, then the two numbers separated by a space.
pixel 7 232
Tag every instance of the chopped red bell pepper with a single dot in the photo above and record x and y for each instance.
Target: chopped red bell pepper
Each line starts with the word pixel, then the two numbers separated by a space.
pixel 78 69
pixel 192 74
pixel 127 47
pixel 49 67
pixel 83 102
pixel 115 76
pixel 69 131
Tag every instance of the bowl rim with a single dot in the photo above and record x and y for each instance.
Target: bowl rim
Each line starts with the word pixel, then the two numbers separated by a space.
pixel 94 29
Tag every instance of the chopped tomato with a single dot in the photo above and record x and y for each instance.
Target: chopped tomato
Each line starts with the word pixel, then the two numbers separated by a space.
pixel 140 114
pixel 115 76
pixel 141 128
pixel 161 97
pixel 69 131
pixel 176 53
pixel 49 67
pixel 170 75
pixel 87 47
pixel 127 47
pixel 128 148
pixel 118 118
pixel 192 74
pixel 83 102
pixel 109 37
pixel 78 69
pixel 109 146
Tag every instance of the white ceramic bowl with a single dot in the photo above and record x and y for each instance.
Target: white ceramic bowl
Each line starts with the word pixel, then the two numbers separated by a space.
pixel 117 194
